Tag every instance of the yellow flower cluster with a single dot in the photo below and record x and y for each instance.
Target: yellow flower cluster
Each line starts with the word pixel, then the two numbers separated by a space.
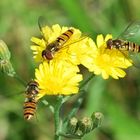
pixel 60 75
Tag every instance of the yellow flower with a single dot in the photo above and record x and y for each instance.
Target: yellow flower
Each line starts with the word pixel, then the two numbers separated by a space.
pixel 108 62
pixel 83 53
pixel 50 34
pixel 57 78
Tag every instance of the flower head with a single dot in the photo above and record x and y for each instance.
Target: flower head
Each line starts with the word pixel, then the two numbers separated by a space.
pixel 57 78
pixel 108 62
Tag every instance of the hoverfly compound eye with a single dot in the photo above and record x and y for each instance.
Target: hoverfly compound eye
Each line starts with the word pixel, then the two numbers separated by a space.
pixel 43 53
pixel 47 55
pixel 109 43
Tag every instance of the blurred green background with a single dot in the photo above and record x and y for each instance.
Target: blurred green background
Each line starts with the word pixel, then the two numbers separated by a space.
pixel 118 100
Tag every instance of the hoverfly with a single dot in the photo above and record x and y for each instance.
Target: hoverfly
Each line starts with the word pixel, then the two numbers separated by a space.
pixel 30 103
pixel 59 43
pixel 53 47
pixel 122 43
pixel 56 45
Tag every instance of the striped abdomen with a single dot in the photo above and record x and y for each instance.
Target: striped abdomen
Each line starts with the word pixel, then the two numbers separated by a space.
pixel 130 46
pixel 63 38
pixel 29 109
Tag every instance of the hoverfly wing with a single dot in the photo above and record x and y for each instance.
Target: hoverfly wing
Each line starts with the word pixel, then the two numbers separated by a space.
pixel 68 44
pixel 135 57
pixel 41 22
pixel 14 95
pixel 80 39
pixel 130 31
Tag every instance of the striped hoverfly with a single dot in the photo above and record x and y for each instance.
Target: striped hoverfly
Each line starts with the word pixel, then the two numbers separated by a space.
pixel 123 44
pixel 59 43
pixel 30 103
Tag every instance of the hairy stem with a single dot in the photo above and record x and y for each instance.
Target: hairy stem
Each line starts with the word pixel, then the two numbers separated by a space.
pixel 57 119
pixel 79 100
pixel 86 81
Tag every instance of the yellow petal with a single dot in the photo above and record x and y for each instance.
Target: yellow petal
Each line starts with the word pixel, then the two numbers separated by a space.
pixel 100 40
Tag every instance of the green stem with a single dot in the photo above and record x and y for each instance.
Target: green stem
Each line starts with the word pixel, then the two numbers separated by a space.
pixel 71 136
pixel 60 101
pixel 86 81
pixel 75 108
pixel 57 118
pixel 79 100
pixel 18 78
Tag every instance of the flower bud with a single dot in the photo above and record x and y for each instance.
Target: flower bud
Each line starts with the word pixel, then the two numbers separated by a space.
pixel 96 119
pixel 6 67
pixel 73 125
pixel 85 125
pixel 4 51
pixel 5 64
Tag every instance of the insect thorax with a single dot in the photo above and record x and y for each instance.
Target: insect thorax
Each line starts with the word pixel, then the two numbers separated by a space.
pixel 117 44
pixel 32 90
pixel 52 46
pixel 30 99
